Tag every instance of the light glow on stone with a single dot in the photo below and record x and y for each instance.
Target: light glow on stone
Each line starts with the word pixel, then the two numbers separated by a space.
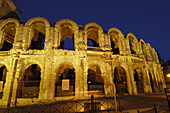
pixel 168 75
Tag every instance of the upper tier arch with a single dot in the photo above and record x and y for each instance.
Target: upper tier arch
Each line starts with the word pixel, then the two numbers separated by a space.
pixel 9 20
pixel 114 29
pixel 90 24
pixel 131 35
pixel 66 21
pixel 39 19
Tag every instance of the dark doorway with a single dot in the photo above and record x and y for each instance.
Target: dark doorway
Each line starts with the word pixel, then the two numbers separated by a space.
pixel 120 80
pixel 29 87
pixel 67 76
pixel 131 48
pixel 115 49
pixel 151 81
pixel 38 42
pixel 139 82
pixel 95 81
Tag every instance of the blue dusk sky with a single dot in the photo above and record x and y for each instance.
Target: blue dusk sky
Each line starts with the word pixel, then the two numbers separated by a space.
pixel 146 19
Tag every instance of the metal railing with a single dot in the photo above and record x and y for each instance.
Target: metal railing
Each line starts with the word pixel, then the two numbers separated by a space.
pixel 76 106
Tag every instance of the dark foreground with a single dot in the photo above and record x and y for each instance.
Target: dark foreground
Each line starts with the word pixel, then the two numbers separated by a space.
pixel 142 103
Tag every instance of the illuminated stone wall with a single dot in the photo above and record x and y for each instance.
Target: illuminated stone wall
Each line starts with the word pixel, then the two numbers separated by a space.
pixel 9 10
pixel 136 62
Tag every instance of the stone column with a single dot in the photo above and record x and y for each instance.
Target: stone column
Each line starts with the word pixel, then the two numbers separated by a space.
pixel 147 84
pixel 48 39
pixel 17 40
pixel 108 80
pixel 131 78
pixel 45 75
pixel 17 80
pixel 121 47
pixel 9 83
pixel 25 39
pixel 76 32
pixel 129 85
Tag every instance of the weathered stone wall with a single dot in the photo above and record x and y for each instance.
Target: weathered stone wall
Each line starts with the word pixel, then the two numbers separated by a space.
pixel 9 10
pixel 133 56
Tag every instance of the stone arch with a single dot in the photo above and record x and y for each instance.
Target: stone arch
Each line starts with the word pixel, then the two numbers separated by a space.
pixel 143 47
pixel 38 18
pixel 114 29
pixel 120 80
pixel 30 78
pixel 8 29
pixel 3 76
pixel 28 64
pixel 149 50
pixel 66 28
pixel 93 32
pixel 37 29
pixel 99 64
pixel 115 36
pixel 139 79
pixel 9 20
pixel 133 43
pixel 95 79
pixel 155 56
pixel 65 73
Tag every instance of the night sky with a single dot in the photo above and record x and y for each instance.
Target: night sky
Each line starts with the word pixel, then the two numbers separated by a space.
pixel 146 19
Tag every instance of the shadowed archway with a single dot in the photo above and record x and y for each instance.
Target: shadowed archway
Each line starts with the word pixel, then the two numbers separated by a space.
pixel 29 86
pixel 95 81
pixel 65 81
pixel 120 80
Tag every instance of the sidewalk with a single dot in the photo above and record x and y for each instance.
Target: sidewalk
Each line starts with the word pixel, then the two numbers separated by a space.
pixel 143 102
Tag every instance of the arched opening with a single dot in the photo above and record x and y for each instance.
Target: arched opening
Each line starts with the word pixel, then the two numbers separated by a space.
pixel 67 37
pixel 93 37
pixel 151 81
pixel 144 49
pixel 92 43
pixel 115 49
pixel 114 42
pixel 38 34
pixel 3 74
pixel 138 78
pixel 120 80
pixel 89 43
pixel 132 45
pixel 67 44
pixel 7 41
pixel 29 86
pixel 65 81
pixel 95 81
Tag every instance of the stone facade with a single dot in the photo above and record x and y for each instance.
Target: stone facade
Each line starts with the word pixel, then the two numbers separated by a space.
pixel 9 9
pixel 121 62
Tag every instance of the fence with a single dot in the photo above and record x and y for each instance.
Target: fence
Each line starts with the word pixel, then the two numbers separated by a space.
pixel 86 105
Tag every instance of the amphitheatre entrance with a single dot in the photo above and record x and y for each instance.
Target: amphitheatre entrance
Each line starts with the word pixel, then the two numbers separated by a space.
pixel 29 85
pixel 120 80
pixel 95 81
pixel 138 78
pixel 65 81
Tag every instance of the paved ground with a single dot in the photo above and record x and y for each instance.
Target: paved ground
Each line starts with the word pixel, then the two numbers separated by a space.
pixel 144 103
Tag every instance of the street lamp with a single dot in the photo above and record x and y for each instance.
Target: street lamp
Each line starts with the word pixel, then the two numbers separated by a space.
pixel 168 75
